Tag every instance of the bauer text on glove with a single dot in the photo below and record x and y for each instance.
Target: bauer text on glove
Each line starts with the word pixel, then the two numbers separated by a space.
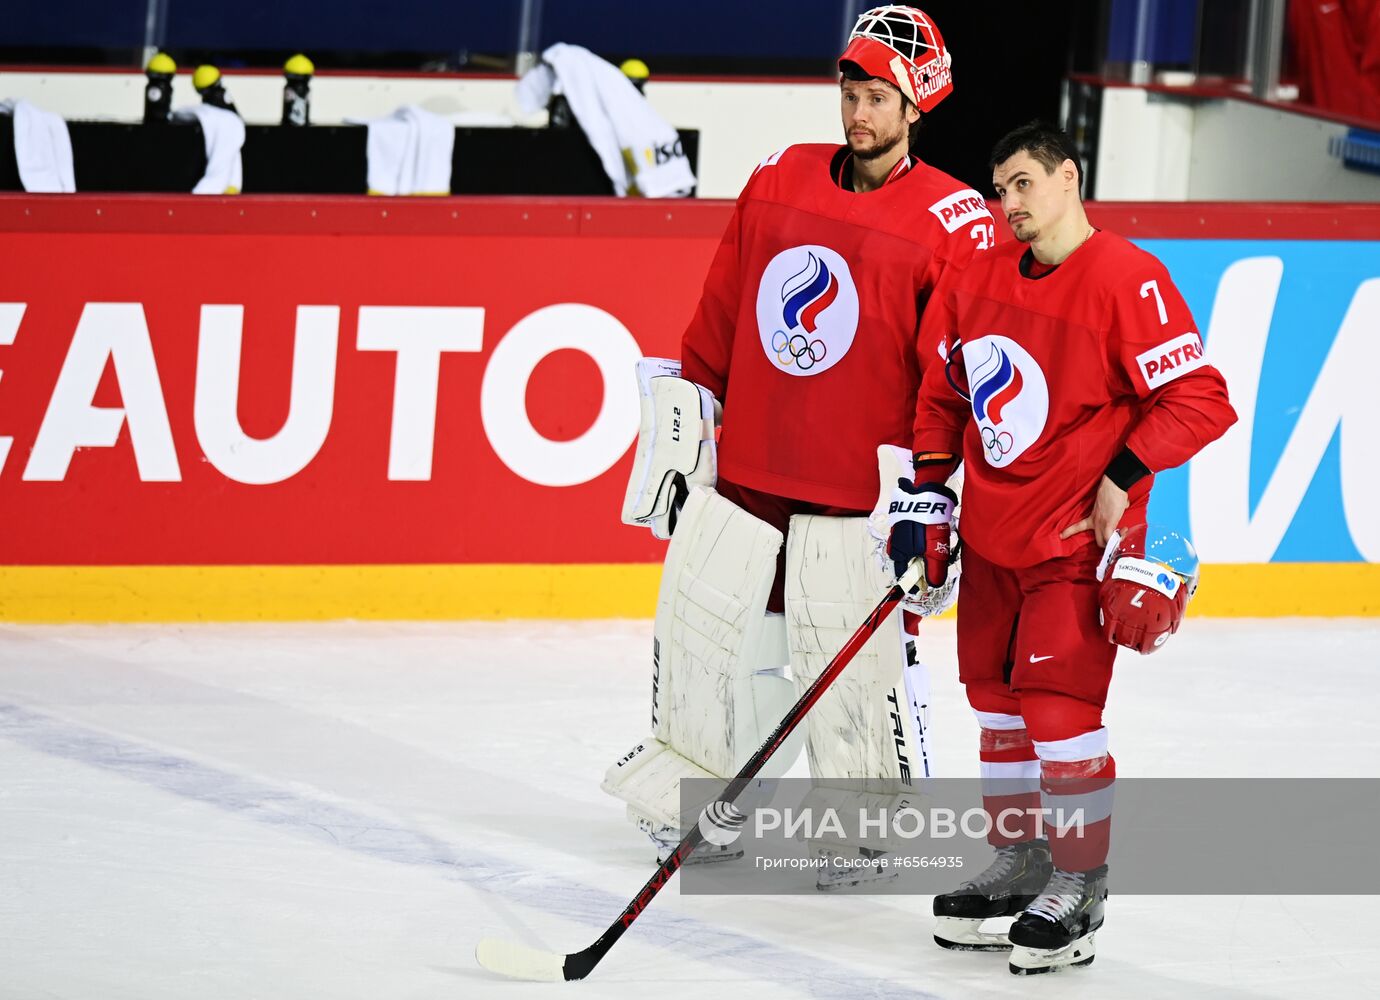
pixel 920 516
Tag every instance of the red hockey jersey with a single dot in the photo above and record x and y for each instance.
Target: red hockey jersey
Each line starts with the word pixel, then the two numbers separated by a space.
pixel 1063 371
pixel 807 327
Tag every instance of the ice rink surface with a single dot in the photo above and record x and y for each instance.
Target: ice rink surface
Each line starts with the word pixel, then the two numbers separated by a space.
pixel 342 811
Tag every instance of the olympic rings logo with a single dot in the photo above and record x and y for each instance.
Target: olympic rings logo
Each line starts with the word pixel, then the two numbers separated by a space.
pixel 996 444
pixel 798 350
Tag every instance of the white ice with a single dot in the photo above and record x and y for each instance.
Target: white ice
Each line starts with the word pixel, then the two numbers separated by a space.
pixel 341 811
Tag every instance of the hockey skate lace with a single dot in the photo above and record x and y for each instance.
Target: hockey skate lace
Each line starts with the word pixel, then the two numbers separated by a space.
pixel 997 870
pixel 1060 896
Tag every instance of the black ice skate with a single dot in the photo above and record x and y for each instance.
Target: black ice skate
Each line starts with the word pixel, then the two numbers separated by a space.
pixel 1008 885
pixel 1057 928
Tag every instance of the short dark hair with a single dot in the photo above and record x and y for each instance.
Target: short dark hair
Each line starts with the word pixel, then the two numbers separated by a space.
pixel 1047 145
pixel 850 70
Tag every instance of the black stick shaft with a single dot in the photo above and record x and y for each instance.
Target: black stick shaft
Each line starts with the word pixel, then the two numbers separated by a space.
pixel 581 963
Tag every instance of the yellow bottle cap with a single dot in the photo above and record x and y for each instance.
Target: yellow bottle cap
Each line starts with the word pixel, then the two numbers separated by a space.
pixel 162 63
pixel 299 65
pixel 205 76
pixel 635 69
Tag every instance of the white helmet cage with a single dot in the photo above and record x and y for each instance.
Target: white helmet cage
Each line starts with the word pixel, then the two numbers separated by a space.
pixel 924 68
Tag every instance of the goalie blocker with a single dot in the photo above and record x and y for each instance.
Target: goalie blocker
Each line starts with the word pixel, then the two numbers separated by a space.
pixel 675 446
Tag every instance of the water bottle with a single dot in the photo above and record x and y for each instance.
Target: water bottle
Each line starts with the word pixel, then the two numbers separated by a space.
pixel 296 100
pixel 209 84
pixel 637 73
pixel 158 91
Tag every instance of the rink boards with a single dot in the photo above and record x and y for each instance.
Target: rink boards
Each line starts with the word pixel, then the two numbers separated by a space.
pixel 281 408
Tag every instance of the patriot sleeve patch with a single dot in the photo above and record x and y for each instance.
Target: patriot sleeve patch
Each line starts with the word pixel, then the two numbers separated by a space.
pixel 960 208
pixel 1171 359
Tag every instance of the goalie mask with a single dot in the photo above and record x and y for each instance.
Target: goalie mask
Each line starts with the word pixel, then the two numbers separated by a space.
pixel 1148 575
pixel 902 45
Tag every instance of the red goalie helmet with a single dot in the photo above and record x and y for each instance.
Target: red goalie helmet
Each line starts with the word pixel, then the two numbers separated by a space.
pixel 1148 575
pixel 902 45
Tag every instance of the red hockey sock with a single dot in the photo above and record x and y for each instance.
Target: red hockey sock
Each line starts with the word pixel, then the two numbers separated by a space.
pixel 1077 776
pixel 1010 769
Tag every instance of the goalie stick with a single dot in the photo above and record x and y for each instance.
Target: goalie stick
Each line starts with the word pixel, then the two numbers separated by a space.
pixel 521 962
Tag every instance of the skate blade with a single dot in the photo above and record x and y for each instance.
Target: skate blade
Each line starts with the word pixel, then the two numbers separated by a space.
pixel 846 885
pixel 964 934
pixel 717 857
pixel 1035 961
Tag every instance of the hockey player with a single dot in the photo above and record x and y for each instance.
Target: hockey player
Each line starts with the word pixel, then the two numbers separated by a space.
pixel 1074 373
pixel 806 338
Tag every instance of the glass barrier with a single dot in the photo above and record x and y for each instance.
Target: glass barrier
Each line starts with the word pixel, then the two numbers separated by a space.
pixel 1300 54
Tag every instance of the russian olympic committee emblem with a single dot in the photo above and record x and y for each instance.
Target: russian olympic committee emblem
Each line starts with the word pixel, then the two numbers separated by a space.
pixel 807 310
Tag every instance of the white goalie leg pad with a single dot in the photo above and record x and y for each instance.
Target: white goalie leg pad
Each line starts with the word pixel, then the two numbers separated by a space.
pixel 675 446
pixel 648 779
pixel 867 737
pixel 863 728
pixel 848 805
pixel 717 690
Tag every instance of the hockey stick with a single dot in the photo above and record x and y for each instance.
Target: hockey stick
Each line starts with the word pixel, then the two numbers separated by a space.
pixel 520 962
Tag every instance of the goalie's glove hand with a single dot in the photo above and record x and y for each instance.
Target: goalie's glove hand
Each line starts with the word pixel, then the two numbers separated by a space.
pixel 920 517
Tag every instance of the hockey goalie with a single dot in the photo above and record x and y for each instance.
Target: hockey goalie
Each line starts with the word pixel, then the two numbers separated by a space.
pixel 726 666
pixel 804 357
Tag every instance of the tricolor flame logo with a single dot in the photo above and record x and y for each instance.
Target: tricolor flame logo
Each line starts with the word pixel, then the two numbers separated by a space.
pixel 996 384
pixel 808 293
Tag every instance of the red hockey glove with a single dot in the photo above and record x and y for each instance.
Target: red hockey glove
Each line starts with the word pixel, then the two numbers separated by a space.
pixel 920 517
pixel 1147 578
pixel 1139 614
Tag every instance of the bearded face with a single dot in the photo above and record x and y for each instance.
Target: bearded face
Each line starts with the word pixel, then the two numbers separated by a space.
pixel 876 119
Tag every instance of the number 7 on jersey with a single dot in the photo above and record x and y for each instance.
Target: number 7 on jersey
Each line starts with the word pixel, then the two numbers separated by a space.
pixel 1154 286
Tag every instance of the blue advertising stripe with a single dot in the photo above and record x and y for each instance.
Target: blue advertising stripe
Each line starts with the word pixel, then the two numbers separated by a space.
pixel 1311 493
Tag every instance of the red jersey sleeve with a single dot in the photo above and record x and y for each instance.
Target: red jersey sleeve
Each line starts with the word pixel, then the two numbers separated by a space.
pixel 958 248
pixel 707 344
pixel 940 413
pixel 1156 353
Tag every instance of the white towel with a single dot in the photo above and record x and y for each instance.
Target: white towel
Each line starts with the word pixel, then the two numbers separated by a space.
pixel 223 133
pixel 409 152
pixel 42 147
pixel 640 152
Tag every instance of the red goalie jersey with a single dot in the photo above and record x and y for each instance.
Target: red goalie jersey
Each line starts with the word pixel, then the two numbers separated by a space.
pixel 809 322
pixel 1063 371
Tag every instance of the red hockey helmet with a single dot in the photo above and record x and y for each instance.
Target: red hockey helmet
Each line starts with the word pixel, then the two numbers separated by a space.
pixel 1148 576
pixel 902 45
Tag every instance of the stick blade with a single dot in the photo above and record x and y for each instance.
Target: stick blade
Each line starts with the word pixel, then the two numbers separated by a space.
pixel 517 961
